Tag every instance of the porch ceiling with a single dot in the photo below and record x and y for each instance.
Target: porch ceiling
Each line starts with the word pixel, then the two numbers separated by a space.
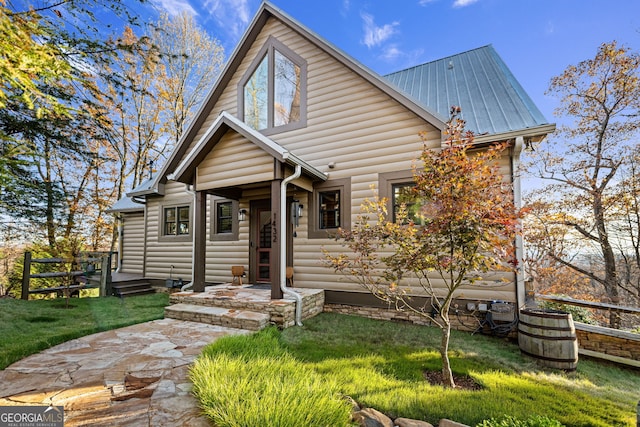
pixel 186 170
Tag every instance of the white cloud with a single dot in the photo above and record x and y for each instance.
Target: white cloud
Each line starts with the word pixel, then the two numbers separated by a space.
pixel 463 3
pixel 374 35
pixel 425 2
pixel 346 5
pixel 391 53
pixel 231 15
pixel 176 7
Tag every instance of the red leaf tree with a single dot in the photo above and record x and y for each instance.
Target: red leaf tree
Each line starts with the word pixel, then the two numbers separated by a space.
pixel 462 227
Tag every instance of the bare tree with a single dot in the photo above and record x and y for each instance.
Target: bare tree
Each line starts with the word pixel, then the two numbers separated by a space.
pixel 583 162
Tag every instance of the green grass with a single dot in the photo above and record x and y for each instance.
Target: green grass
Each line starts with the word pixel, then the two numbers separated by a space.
pixel 381 364
pixel 253 381
pixel 27 327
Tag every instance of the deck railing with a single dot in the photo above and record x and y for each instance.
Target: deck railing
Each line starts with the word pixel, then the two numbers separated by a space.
pixel 610 308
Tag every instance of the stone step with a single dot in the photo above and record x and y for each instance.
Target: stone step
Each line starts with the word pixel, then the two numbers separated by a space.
pixel 228 317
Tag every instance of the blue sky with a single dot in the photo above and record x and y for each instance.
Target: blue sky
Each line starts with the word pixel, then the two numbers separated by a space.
pixel 537 39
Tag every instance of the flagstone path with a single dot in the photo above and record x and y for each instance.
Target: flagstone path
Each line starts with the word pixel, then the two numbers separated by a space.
pixel 133 376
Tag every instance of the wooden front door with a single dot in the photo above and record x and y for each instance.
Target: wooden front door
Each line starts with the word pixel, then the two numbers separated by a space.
pixel 260 229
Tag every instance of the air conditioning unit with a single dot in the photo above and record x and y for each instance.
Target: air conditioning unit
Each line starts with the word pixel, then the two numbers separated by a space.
pixel 502 312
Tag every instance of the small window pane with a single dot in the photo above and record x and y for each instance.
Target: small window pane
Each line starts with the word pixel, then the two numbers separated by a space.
pixel 184 228
pixel 286 91
pixel 403 194
pixel 329 209
pixel 170 229
pixel 183 220
pixel 255 97
pixel 183 213
pixel 224 217
pixel 170 221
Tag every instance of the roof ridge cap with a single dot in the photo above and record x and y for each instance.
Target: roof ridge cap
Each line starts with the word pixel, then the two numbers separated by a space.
pixel 487 46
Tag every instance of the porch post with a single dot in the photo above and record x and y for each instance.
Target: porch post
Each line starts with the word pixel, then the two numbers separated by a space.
pixel 277 238
pixel 199 240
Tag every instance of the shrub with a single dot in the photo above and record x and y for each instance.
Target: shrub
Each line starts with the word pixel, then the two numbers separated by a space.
pixel 579 314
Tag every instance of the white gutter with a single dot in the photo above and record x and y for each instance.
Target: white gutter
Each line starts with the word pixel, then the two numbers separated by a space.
pixel 283 244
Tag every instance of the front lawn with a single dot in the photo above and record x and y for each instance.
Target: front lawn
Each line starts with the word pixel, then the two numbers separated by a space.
pixel 381 364
pixel 27 327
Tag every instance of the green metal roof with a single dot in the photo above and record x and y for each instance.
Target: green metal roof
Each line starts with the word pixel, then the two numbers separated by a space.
pixel 478 81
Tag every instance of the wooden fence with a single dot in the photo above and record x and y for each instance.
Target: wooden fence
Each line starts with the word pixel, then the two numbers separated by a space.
pixel 70 270
pixel 610 308
pixel 607 343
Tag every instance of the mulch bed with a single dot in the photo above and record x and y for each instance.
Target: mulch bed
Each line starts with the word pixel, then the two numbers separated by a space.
pixel 463 382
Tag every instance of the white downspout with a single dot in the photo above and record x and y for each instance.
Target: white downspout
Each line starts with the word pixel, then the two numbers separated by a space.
pixel 283 245
pixel 120 220
pixel 193 247
pixel 517 199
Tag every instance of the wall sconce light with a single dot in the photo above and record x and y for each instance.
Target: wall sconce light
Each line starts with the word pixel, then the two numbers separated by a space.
pixel 296 212
pixel 242 214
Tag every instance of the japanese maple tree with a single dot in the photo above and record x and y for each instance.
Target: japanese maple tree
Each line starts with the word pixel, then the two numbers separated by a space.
pixel 463 228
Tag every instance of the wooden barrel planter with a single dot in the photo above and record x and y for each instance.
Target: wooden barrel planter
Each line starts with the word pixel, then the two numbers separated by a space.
pixel 550 337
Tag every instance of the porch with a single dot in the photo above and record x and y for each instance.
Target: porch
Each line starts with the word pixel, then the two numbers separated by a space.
pixel 245 307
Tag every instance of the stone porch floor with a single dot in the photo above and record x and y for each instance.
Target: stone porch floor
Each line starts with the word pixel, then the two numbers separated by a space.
pixel 257 299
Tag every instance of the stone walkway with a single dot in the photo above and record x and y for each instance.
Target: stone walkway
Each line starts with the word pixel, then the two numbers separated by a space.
pixel 134 376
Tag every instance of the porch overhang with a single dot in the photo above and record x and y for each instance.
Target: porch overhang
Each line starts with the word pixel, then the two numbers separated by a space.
pixel 186 170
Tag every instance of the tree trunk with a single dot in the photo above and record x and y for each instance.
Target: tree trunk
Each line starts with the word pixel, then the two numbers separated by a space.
pixel 447 375
pixel 610 270
pixel 50 206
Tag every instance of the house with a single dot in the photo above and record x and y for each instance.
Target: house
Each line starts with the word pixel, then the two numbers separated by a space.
pixel 286 147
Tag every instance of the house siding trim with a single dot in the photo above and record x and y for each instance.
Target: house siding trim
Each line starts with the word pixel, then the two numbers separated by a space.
pixel 186 170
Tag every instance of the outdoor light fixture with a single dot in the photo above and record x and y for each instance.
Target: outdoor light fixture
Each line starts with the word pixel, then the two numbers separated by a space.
pixel 296 212
pixel 242 214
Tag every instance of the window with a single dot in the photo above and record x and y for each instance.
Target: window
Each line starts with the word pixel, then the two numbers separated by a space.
pixel 397 188
pixel 255 97
pixel 176 221
pixel 331 208
pixel 224 219
pixel 272 95
pixel 402 194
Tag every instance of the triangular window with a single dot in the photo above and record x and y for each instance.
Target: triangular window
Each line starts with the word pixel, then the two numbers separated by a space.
pixel 272 94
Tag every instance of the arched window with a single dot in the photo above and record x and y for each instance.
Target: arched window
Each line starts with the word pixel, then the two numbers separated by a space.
pixel 272 93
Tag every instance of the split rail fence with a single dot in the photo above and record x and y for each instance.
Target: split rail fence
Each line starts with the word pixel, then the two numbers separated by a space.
pixel 91 271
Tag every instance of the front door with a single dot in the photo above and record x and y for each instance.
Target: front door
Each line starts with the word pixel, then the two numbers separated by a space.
pixel 261 245
pixel 262 241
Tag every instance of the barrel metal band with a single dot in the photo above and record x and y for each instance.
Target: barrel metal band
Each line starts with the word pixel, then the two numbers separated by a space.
pixel 550 359
pixel 554 338
pixel 546 328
